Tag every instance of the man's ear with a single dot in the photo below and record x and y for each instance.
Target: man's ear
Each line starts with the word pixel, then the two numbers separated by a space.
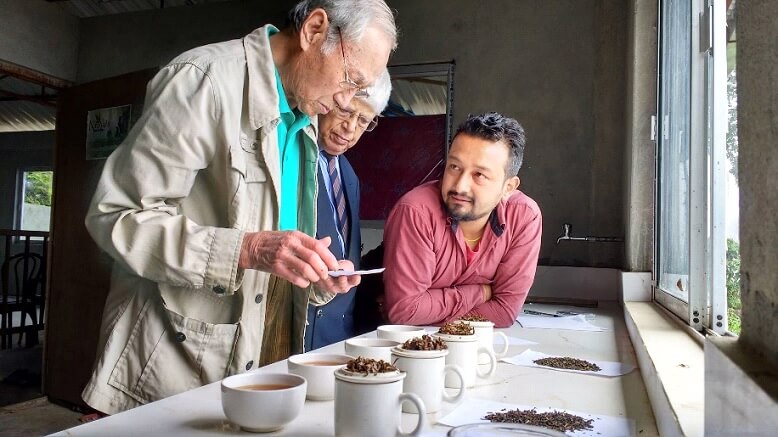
pixel 511 185
pixel 314 30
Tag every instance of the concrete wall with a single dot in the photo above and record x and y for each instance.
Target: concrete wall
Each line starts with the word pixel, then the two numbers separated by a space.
pixel 639 163
pixel 111 45
pixel 20 151
pixel 558 66
pixel 757 83
pixel 40 36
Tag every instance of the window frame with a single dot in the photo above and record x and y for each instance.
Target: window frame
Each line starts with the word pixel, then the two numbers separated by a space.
pixel 20 192
pixel 706 305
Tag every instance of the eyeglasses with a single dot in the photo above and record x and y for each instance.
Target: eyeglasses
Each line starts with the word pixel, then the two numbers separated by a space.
pixel 348 84
pixel 364 123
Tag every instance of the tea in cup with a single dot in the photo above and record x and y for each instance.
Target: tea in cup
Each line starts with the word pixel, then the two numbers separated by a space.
pixel 279 396
pixel 377 348
pixel 399 332
pixel 423 359
pixel 368 400
pixel 319 370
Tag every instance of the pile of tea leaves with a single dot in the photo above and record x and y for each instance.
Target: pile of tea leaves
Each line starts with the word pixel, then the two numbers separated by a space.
pixel 567 363
pixel 557 420
pixel 474 318
pixel 369 365
pixel 425 343
pixel 458 328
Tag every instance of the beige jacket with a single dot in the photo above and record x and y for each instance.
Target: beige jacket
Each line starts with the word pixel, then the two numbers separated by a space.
pixel 198 170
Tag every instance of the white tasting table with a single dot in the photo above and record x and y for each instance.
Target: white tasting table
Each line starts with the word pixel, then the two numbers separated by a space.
pixel 198 412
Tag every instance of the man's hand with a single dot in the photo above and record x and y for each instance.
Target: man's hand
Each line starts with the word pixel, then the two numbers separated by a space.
pixel 294 256
pixel 340 284
pixel 487 291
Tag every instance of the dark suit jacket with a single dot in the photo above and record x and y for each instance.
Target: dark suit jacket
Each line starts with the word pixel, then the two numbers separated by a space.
pixel 334 321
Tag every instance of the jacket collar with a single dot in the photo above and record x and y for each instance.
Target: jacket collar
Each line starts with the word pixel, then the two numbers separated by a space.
pixel 263 96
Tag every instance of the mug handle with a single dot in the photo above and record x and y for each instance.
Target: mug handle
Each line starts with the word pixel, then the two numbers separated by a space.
pixel 505 340
pixel 492 362
pixel 458 371
pixel 415 400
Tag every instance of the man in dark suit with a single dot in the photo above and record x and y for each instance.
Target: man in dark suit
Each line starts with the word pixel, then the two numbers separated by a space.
pixel 338 206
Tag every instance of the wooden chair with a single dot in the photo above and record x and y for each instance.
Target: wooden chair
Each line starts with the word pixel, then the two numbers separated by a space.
pixel 23 291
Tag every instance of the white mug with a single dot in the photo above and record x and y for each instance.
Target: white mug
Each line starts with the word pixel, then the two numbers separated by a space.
pixel 425 371
pixel 463 350
pixel 375 348
pixel 370 405
pixel 399 333
pixel 319 370
pixel 485 332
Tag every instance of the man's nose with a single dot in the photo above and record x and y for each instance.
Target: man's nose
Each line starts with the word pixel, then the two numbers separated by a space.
pixel 462 183
pixel 343 98
pixel 351 124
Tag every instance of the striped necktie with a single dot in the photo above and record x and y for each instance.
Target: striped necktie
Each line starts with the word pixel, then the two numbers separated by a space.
pixel 338 199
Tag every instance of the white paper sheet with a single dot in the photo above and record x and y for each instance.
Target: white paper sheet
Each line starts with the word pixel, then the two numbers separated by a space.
pixel 609 368
pixel 472 410
pixel 514 341
pixel 336 273
pixel 574 323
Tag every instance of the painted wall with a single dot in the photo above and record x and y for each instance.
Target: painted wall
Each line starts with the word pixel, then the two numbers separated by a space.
pixel 40 36
pixel 557 66
pixel 20 151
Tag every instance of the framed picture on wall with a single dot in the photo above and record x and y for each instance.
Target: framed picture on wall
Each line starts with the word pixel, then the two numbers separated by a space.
pixel 106 128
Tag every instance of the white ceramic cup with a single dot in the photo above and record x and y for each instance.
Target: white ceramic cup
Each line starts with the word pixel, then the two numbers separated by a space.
pixel 376 348
pixel 279 397
pixel 319 369
pixel 426 371
pixel 399 333
pixel 370 405
pixel 485 332
pixel 463 350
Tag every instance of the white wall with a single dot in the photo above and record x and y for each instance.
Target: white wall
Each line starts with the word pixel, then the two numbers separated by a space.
pixel 40 36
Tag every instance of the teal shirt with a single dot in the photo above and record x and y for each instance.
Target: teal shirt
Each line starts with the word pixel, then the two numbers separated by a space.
pixel 291 151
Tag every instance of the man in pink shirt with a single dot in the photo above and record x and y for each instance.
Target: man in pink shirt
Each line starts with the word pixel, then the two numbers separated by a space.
pixel 469 243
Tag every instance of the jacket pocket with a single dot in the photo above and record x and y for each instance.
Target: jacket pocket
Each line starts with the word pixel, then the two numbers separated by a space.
pixel 168 353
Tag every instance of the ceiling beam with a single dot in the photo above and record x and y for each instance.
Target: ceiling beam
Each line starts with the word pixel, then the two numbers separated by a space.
pixel 33 76
pixel 49 100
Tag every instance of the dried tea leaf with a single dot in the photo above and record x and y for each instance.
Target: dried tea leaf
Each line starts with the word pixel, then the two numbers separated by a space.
pixel 558 420
pixel 425 343
pixel 369 365
pixel 458 328
pixel 474 318
pixel 567 363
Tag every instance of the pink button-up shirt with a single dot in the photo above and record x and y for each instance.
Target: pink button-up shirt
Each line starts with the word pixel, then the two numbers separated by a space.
pixel 428 279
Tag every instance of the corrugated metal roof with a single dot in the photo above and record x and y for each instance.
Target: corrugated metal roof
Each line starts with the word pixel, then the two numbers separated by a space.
pixel 17 114
pixel 22 116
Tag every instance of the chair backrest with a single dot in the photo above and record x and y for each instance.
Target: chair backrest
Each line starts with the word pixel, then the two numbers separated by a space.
pixel 26 270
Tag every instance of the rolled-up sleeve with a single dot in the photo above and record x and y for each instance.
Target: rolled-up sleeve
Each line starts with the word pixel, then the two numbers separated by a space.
pixel 134 214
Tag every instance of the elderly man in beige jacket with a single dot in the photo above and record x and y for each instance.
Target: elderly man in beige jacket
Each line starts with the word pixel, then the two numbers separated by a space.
pixel 190 205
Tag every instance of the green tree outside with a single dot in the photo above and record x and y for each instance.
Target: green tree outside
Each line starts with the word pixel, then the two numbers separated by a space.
pixel 733 286
pixel 38 187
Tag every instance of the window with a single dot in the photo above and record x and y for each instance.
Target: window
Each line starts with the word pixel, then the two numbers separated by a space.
pixel 691 165
pixel 34 210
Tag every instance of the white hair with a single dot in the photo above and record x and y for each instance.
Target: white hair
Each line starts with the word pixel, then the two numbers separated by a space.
pixel 379 93
pixel 352 17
